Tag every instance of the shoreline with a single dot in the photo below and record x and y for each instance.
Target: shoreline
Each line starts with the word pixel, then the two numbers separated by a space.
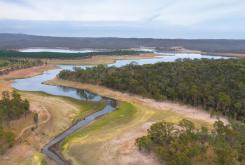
pixel 182 109
pixel 95 60
pixel 119 145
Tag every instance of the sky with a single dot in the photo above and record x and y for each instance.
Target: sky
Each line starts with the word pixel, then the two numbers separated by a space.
pixel 125 18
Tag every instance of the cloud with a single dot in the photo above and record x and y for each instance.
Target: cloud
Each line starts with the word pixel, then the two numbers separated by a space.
pixel 151 16
pixel 191 12
pixel 172 12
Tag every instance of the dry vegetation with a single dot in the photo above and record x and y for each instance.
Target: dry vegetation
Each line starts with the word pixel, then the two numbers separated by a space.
pixel 111 140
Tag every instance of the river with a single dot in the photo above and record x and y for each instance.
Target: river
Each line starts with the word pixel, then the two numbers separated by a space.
pixel 36 84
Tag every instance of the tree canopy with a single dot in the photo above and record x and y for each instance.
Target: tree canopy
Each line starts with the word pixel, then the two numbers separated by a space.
pixel 215 85
pixel 11 107
pixel 184 144
pixel 9 64
pixel 52 55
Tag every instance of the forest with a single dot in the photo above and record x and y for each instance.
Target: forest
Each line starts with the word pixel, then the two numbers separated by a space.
pixel 183 144
pixel 12 107
pixel 215 85
pixel 9 64
pixel 57 55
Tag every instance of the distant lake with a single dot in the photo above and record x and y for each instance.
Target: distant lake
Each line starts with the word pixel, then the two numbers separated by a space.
pixel 58 50
pixel 168 57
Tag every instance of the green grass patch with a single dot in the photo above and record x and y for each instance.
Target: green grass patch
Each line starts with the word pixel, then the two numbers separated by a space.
pixel 122 115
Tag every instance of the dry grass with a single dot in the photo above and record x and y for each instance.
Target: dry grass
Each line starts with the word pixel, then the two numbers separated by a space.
pixel 114 142
pixel 62 112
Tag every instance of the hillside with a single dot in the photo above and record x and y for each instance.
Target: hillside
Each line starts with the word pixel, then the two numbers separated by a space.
pixel 20 41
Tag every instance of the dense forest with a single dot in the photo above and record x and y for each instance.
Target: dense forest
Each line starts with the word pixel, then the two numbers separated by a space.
pixel 8 64
pixel 215 85
pixel 57 55
pixel 11 107
pixel 183 144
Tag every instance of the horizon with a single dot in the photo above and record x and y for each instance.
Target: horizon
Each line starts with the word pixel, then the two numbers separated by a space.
pixel 35 35
pixel 158 19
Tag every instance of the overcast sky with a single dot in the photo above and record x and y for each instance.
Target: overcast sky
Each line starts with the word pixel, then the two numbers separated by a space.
pixel 125 18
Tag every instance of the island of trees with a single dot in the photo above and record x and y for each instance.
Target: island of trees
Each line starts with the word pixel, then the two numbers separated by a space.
pixel 58 55
pixel 215 85
pixel 183 144
pixel 10 64
pixel 12 107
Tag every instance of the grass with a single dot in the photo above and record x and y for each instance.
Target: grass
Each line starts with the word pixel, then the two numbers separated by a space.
pixel 121 116
pixel 37 159
pixel 98 132
pixel 83 147
pixel 4 63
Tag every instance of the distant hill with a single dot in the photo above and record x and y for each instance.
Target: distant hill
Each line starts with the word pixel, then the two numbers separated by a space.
pixel 20 41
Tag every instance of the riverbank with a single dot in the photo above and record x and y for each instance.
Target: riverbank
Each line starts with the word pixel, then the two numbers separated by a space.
pixel 95 60
pixel 56 114
pixel 111 140
pixel 184 110
pixel 28 144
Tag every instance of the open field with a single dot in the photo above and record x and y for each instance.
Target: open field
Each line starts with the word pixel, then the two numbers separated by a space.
pixel 111 139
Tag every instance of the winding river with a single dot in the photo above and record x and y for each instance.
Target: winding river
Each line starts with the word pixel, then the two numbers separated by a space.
pixel 36 84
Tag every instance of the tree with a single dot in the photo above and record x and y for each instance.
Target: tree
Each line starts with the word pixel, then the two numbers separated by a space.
pixel 224 145
pixel 216 85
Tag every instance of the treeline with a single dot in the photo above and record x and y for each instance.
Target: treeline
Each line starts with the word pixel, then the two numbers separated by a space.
pixel 183 144
pixel 57 55
pixel 11 107
pixel 216 85
pixel 8 64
